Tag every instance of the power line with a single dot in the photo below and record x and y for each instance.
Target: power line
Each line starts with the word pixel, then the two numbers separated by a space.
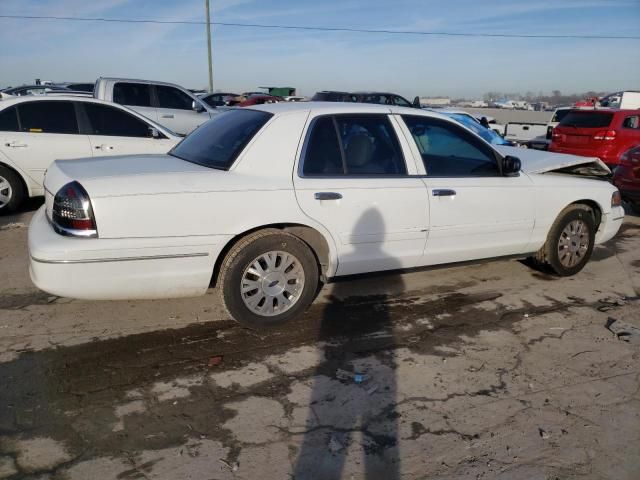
pixel 320 29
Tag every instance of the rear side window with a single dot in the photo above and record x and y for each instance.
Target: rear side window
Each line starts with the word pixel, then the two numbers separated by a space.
pixel 217 143
pixel 353 145
pixel 587 119
pixel 449 151
pixel 632 122
pixel 9 120
pixel 169 97
pixel 48 117
pixel 136 94
pixel 559 115
pixel 323 155
pixel 109 121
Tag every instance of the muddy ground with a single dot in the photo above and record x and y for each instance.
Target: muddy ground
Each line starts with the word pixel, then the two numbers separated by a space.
pixel 482 371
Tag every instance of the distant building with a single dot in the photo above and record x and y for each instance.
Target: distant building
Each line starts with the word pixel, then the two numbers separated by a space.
pixel 439 101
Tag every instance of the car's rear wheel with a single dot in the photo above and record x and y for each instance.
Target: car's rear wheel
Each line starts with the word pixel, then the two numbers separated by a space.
pixel 268 278
pixel 11 190
pixel 570 241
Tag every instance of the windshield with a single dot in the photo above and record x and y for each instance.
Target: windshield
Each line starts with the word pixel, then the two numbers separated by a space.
pixel 218 142
pixel 486 133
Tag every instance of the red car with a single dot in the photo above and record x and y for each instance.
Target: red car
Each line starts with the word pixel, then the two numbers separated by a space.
pixel 627 177
pixel 601 133
pixel 259 100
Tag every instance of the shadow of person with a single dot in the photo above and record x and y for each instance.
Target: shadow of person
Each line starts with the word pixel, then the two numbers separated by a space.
pixel 352 408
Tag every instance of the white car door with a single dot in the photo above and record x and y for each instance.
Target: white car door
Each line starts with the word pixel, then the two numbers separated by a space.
pixel 353 179
pixel 48 131
pixel 113 131
pixel 175 110
pixel 136 96
pixel 475 211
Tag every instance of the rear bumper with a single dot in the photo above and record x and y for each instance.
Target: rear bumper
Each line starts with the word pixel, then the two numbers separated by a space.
pixel 118 269
pixel 610 224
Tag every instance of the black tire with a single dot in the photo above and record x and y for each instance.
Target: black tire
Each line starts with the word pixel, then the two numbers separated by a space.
pixel 549 255
pixel 15 190
pixel 243 254
pixel 635 206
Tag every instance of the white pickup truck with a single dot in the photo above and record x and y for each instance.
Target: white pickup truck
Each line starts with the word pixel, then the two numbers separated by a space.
pixel 170 105
pixel 526 134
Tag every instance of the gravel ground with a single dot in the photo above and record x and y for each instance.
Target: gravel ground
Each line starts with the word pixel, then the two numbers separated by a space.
pixel 491 370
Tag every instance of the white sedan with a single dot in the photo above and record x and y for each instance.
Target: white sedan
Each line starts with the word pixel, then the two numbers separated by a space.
pixel 267 202
pixel 36 130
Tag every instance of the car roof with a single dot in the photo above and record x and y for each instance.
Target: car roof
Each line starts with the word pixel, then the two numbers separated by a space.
pixel 328 108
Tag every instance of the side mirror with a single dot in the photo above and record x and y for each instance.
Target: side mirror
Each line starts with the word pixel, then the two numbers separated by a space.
pixel 197 107
pixel 154 133
pixel 416 102
pixel 511 166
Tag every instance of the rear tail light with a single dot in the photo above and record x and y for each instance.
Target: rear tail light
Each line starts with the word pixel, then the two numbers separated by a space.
pixel 606 135
pixel 72 213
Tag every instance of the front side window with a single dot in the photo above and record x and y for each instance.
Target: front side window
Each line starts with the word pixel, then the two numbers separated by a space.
pixel 218 142
pixel 135 94
pixel 353 145
pixel 169 97
pixel 9 120
pixel 109 121
pixel 48 117
pixel 449 151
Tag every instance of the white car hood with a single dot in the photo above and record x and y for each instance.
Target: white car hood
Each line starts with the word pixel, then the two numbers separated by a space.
pixel 539 161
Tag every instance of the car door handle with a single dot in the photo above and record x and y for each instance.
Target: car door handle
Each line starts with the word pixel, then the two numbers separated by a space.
pixel 327 196
pixel 103 147
pixel 15 144
pixel 167 116
pixel 444 192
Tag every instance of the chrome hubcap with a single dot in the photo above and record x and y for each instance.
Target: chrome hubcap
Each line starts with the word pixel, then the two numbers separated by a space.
pixel 5 192
pixel 272 283
pixel 573 243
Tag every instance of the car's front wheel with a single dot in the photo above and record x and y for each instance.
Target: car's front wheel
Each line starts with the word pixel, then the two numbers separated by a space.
pixel 570 241
pixel 268 278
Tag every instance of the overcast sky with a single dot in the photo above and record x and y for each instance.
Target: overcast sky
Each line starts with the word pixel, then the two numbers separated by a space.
pixel 246 58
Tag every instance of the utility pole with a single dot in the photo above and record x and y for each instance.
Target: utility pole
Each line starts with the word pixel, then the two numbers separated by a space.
pixel 206 2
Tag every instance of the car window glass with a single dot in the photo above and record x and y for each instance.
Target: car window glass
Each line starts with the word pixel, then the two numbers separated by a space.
pixel 401 102
pixel 169 97
pixel 111 121
pixel 136 94
pixel 586 119
pixel 9 120
pixel 448 151
pixel 370 145
pixel 322 156
pixel 632 122
pixel 48 117
pixel 218 142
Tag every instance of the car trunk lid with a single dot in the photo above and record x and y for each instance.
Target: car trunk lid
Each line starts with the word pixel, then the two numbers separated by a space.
pixel 584 130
